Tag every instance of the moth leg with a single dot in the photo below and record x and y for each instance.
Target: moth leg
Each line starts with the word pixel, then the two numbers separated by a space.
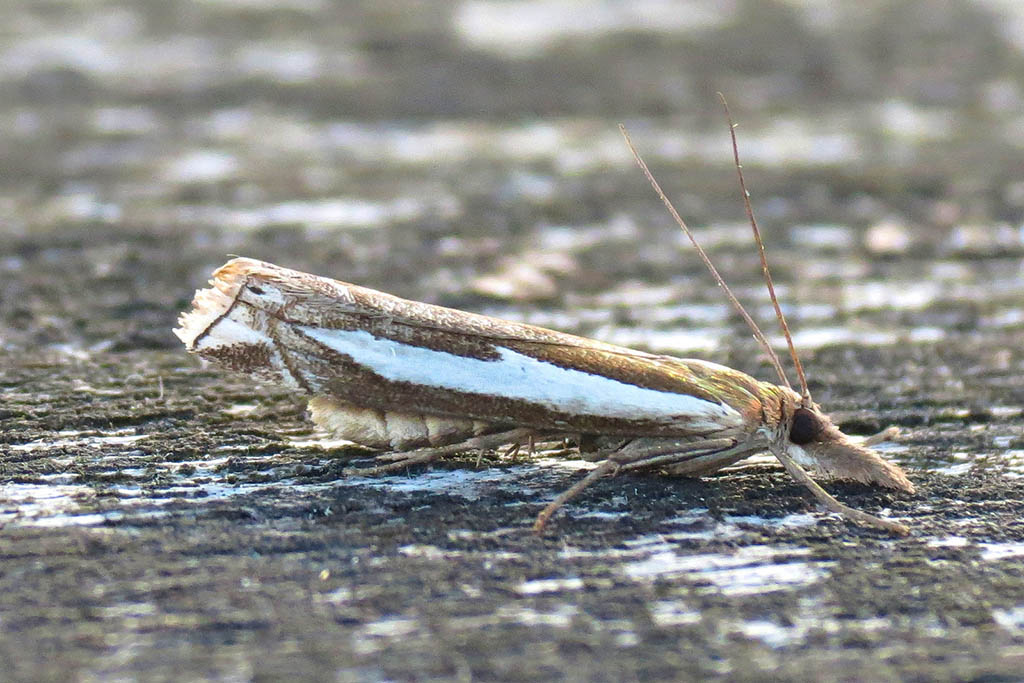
pixel 698 459
pixel 511 452
pixel 392 456
pixel 608 466
pixel 887 434
pixel 705 453
pixel 659 452
pixel 831 503
pixel 425 455
pixel 703 465
pixel 552 447
pixel 595 447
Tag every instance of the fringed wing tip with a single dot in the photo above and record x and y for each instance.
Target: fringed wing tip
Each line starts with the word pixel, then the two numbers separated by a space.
pixel 211 303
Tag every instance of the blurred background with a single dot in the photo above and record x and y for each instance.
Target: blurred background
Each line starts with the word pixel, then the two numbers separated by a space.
pixel 467 153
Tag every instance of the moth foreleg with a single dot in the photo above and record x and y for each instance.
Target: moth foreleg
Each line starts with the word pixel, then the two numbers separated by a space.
pixel 887 434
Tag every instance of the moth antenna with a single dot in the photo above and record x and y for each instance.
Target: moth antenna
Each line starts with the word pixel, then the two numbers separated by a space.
pixel 758 335
pixel 764 260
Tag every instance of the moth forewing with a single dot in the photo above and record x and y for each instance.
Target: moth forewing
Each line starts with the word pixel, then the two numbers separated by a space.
pixel 369 351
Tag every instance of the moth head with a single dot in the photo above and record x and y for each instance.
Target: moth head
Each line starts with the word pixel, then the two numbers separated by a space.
pixel 812 440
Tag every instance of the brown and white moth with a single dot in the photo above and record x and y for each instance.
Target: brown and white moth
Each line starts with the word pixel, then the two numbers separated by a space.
pixel 400 375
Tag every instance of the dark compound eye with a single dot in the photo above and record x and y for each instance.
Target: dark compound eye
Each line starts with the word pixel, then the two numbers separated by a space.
pixel 805 427
pixel 256 290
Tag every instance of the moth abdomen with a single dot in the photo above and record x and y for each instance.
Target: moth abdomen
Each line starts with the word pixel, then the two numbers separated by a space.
pixel 389 429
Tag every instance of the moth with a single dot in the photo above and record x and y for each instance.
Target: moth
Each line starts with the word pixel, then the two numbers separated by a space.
pixel 426 381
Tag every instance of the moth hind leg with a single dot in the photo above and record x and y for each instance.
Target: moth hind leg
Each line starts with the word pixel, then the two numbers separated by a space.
pixel 423 456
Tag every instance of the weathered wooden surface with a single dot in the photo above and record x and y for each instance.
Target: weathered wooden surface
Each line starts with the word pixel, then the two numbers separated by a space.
pixel 163 521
